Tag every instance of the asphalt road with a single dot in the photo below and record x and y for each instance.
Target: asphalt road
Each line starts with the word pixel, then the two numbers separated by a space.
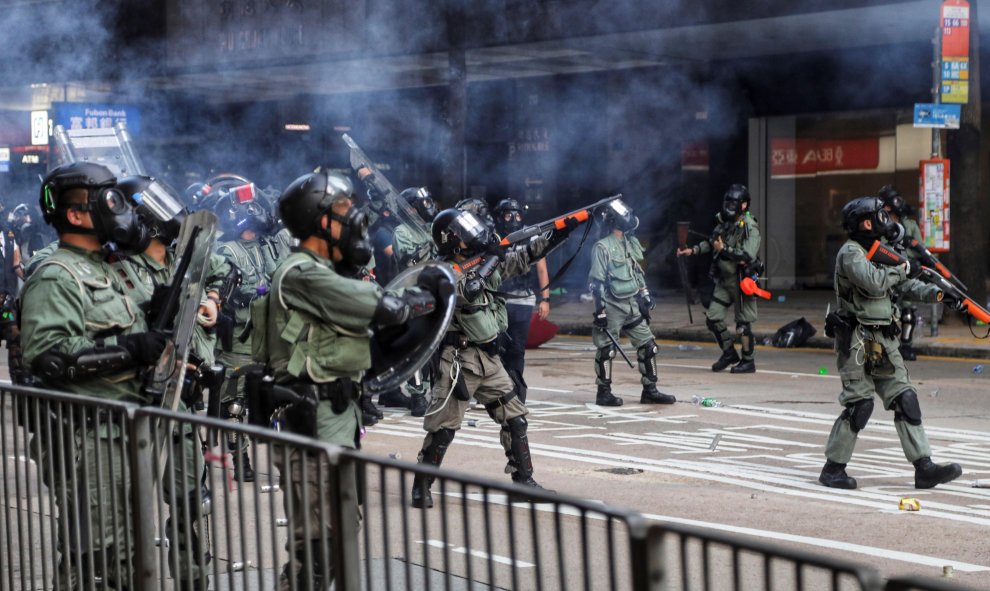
pixel 751 466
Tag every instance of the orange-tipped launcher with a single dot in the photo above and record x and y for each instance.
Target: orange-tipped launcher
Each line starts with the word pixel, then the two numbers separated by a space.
pixel 974 310
pixel 750 288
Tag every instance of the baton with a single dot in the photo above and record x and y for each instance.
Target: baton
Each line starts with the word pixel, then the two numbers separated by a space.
pixel 615 343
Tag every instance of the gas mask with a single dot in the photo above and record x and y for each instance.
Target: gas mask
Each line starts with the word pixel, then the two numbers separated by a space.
pixel 241 210
pixel 115 220
pixel 157 205
pixel 353 243
pixel 508 222
pixel 620 216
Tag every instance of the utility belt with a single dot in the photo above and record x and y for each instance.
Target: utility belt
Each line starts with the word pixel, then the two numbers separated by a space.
pixel 457 340
pixel 292 405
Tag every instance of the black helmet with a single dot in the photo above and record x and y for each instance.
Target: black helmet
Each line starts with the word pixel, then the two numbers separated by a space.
pixel 303 203
pixel 157 203
pixel 892 199
pixel 863 208
pixel 75 175
pixel 736 195
pixel 453 226
pixel 617 215
pixel 479 207
pixel 114 217
pixel 421 200
pixel 240 208
pixel 508 216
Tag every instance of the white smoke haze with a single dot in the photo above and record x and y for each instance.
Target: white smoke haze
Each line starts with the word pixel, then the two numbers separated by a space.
pixel 567 101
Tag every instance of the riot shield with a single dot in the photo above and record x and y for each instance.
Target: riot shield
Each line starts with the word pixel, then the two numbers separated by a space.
pixel 177 314
pixel 398 353
pixel 112 147
pixel 405 213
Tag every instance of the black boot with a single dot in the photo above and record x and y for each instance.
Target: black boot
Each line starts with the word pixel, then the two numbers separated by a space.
pixel 744 366
pixel 521 459
pixel 243 472
pixel 928 474
pixel 395 399
pixel 370 414
pixel 652 396
pixel 908 353
pixel 435 447
pixel 729 357
pixel 605 397
pixel 418 405
pixel 834 476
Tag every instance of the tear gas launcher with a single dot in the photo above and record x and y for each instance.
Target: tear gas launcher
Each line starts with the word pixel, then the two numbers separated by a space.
pixel 555 230
pixel 885 255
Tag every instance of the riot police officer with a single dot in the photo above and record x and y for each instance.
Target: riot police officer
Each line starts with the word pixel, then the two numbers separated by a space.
pixel 245 221
pixel 622 305
pixel 520 300
pixel 899 212
pixel 867 353
pixel 83 334
pixel 312 331
pixel 736 244
pixel 469 362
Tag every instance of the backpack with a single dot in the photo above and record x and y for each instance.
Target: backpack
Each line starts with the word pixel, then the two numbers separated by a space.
pixel 793 334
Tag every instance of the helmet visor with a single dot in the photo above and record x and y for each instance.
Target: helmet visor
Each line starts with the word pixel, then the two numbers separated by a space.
pixel 159 200
pixel 471 230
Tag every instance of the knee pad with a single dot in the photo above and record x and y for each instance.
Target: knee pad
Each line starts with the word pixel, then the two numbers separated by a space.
pixel 744 329
pixel 907 408
pixel 444 436
pixel 858 414
pixel 712 325
pixel 517 426
pixel 234 409
pixel 647 351
pixel 605 353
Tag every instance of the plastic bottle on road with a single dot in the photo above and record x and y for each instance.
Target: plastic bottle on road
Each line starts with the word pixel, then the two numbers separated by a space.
pixel 707 401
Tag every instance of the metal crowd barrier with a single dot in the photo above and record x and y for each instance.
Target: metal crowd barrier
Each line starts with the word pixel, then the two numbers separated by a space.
pixel 90 501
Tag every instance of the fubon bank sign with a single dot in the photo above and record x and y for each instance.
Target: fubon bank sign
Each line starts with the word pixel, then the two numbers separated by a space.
pixel 96 116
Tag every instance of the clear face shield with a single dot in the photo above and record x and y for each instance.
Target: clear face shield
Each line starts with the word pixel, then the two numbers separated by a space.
pixel 471 230
pixel 624 218
pixel 160 201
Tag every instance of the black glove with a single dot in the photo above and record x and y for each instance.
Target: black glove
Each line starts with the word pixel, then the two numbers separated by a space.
pixel 145 347
pixel 601 319
pixel 914 269
pixel 435 281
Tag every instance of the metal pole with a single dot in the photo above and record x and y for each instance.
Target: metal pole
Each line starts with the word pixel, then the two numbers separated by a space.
pixel 344 508
pixel 142 487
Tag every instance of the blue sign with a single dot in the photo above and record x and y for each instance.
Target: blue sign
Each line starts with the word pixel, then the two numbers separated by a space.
pixel 96 116
pixel 940 115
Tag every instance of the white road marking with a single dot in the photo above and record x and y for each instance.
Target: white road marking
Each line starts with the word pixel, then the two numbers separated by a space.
pixel 480 554
pixel 550 390
pixel 856 549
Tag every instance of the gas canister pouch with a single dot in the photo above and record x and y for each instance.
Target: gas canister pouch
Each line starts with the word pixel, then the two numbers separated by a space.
pixel 877 362
pixel 460 388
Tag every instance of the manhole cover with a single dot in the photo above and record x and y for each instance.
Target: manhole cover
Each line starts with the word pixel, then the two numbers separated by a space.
pixel 621 471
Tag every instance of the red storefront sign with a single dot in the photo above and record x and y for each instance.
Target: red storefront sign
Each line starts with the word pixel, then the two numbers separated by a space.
pixel 805 157
pixel 694 156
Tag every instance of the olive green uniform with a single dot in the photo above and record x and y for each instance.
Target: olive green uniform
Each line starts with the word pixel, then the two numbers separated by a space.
pixel 470 365
pixel 742 245
pixel 615 266
pixel 256 261
pixel 73 298
pixel 316 338
pixel 872 363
